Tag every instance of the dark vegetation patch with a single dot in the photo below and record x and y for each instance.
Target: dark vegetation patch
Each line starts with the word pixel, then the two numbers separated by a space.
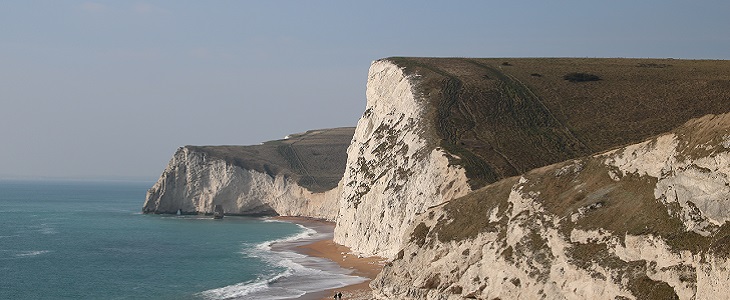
pixel 720 245
pixel 584 255
pixel 433 282
pixel 581 77
pixel 633 273
pixel 419 234
pixel 687 273
pixel 644 288
pixel 315 159
pixel 653 65
pixel 508 254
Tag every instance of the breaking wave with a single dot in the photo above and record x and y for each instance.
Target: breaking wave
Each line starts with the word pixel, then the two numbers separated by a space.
pixel 301 274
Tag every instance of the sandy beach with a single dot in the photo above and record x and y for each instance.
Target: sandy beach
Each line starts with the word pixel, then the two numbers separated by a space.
pixel 367 267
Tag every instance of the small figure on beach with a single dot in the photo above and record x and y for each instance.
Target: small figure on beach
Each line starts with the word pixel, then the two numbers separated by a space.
pixel 338 296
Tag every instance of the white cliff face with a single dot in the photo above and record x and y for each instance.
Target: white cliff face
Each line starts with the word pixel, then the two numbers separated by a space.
pixel 525 259
pixel 647 221
pixel 392 172
pixel 195 183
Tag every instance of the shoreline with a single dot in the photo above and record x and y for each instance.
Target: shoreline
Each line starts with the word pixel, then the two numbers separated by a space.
pixel 326 248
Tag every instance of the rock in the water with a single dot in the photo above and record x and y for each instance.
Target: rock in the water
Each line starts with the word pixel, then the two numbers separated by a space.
pixel 218 212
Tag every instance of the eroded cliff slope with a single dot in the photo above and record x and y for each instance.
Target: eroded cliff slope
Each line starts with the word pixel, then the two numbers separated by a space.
pixel 646 221
pixel 438 128
pixel 296 176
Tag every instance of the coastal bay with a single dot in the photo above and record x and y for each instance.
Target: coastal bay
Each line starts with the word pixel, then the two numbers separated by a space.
pixel 324 247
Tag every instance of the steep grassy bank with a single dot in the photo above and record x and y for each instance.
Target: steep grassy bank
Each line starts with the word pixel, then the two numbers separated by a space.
pixel 503 117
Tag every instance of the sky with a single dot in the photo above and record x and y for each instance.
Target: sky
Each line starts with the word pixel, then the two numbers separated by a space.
pixel 110 89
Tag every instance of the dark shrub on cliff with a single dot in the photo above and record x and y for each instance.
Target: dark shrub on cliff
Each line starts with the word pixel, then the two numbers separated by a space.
pixel 581 77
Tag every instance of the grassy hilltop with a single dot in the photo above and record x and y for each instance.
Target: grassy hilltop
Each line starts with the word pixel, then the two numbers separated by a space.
pixel 504 117
pixel 315 159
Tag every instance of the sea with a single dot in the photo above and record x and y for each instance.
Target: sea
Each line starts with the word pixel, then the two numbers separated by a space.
pixel 89 240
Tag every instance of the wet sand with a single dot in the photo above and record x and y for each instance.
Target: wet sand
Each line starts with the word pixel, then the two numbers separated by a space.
pixel 367 267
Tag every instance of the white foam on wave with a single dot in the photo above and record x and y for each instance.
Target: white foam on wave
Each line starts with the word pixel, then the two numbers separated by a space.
pixel 307 233
pixel 270 220
pixel 302 274
pixel 257 289
pixel 44 228
pixel 31 253
pixel 48 230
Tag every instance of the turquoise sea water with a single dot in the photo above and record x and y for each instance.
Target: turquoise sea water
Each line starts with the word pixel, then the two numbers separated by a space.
pixel 88 240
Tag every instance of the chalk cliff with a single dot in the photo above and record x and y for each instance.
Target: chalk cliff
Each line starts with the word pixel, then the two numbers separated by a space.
pixel 296 176
pixel 505 178
pixel 393 171
pixel 646 221
pixel 438 128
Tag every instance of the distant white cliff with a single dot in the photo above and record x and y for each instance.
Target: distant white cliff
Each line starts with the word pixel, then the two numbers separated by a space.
pixel 267 179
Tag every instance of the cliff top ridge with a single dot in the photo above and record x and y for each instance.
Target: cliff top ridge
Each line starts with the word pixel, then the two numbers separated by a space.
pixel 316 158
pixel 501 117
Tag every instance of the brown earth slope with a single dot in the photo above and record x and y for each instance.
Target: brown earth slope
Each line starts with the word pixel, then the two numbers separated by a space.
pixel 503 117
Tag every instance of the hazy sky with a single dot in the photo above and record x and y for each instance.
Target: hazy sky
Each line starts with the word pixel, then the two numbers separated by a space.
pixel 109 89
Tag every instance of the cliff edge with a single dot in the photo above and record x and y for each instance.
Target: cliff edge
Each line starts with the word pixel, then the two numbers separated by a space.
pixel 295 176
pixel 438 128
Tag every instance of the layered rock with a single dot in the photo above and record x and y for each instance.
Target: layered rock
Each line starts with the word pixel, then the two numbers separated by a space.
pixel 647 221
pixel 297 176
